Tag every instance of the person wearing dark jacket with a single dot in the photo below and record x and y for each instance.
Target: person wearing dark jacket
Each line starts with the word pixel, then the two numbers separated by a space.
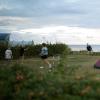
pixel 22 53
pixel 89 48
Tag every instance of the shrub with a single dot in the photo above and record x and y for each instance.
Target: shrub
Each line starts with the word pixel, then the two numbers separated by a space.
pixel 3 47
pixel 34 50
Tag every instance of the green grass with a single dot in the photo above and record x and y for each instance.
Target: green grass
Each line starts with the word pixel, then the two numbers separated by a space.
pixel 85 63
pixel 76 79
pixel 81 64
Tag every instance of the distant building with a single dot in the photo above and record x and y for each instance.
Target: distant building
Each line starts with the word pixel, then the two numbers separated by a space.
pixel 4 37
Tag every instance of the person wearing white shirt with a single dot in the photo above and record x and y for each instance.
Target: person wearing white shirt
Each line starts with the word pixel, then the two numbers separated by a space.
pixel 8 54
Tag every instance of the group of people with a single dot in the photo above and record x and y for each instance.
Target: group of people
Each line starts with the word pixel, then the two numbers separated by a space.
pixel 43 54
pixel 9 54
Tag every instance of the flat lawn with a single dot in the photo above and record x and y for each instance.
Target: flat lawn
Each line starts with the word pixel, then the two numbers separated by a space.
pixel 34 63
pixel 82 64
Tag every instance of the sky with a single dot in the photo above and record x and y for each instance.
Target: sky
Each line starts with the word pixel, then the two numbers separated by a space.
pixel 67 21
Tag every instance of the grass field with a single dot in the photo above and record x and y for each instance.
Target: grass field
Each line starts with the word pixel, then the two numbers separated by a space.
pixel 72 80
pixel 84 64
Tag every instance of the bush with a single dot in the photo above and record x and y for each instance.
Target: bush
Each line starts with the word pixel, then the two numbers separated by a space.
pixel 3 47
pixel 34 50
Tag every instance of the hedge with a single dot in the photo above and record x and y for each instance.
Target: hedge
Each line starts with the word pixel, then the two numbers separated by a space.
pixel 34 50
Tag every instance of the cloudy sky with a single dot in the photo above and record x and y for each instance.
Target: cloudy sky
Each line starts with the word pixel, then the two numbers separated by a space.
pixel 68 21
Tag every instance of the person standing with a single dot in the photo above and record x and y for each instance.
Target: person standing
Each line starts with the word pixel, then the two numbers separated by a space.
pixel 22 53
pixel 44 55
pixel 8 54
pixel 89 48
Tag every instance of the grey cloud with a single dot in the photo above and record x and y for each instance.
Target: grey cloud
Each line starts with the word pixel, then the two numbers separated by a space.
pixel 13 21
pixel 84 13
pixel 9 24
pixel 38 8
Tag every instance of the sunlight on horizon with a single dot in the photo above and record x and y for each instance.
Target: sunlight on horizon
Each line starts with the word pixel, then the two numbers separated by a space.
pixel 65 34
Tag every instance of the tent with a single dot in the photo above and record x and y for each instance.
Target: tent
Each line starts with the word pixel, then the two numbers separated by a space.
pixel 97 64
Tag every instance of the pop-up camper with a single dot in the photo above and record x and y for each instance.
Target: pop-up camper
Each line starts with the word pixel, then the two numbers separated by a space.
pixel 4 37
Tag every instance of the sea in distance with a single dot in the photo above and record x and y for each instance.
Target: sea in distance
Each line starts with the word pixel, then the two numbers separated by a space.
pixel 95 48
pixel 74 47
